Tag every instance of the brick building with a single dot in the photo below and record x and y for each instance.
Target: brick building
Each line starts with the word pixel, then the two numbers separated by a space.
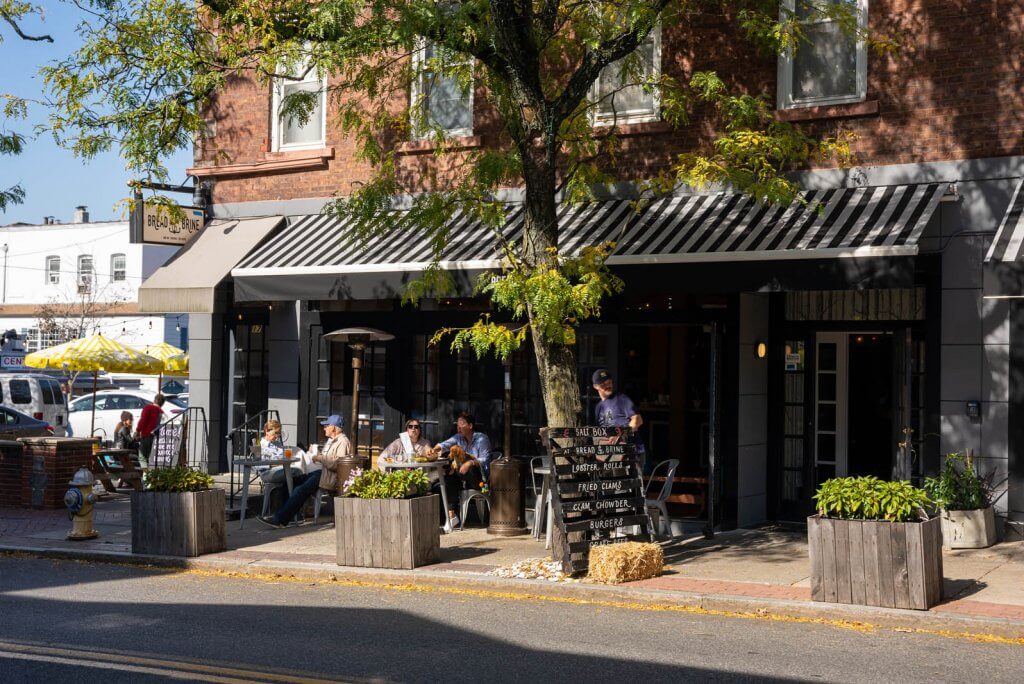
pixel 891 313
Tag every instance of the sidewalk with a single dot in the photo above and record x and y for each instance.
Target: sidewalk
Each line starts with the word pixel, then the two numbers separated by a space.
pixel 762 571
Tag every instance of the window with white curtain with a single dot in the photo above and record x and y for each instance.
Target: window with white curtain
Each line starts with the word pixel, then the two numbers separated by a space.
pixel 85 273
pixel 830 66
pixel 53 270
pixel 446 105
pixel 619 98
pixel 288 133
pixel 118 268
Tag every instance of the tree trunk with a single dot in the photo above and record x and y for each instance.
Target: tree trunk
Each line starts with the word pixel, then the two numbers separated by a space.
pixel 556 363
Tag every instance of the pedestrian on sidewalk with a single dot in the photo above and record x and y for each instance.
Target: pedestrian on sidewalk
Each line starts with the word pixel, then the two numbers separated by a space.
pixel 337 447
pixel 145 433
pixel 616 409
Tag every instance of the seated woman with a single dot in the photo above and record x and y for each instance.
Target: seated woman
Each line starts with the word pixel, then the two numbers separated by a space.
pixel 124 436
pixel 271 447
pixel 408 445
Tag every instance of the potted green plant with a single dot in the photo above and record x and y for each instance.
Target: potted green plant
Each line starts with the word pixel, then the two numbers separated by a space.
pixel 968 518
pixel 873 543
pixel 387 520
pixel 178 513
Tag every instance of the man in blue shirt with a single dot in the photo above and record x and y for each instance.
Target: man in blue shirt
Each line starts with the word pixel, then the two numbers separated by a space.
pixel 469 475
pixel 615 408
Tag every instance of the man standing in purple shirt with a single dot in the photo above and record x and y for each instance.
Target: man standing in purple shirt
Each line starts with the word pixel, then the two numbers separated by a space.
pixel 616 409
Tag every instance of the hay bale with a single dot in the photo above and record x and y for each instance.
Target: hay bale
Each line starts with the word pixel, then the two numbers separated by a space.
pixel 628 562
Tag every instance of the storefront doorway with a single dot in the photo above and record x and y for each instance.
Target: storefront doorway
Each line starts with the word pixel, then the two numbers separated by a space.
pixel 855 411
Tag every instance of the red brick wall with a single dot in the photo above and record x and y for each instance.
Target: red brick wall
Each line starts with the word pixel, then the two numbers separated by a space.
pixel 952 89
pixel 48 464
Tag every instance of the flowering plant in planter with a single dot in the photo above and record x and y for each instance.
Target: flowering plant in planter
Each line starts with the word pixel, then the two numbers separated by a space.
pixel 958 487
pixel 398 484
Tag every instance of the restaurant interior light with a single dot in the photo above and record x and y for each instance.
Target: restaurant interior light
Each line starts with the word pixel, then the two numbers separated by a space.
pixel 762 350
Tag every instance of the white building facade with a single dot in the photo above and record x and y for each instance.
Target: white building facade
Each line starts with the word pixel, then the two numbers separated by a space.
pixel 64 280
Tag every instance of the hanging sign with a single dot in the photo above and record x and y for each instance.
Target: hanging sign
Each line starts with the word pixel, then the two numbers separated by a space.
pixel 156 224
pixel 597 492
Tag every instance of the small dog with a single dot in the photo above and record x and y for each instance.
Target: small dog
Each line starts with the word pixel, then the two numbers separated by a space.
pixel 458 456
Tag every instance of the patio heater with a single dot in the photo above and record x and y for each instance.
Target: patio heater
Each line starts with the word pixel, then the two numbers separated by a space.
pixel 357 339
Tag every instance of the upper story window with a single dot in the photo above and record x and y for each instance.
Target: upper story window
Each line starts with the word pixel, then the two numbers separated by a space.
pixel 830 66
pixel 53 270
pixel 445 104
pixel 85 274
pixel 118 268
pixel 620 97
pixel 288 132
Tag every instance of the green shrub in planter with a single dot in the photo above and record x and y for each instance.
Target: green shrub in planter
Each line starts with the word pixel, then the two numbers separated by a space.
pixel 177 479
pixel 958 487
pixel 868 498
pixel 397 484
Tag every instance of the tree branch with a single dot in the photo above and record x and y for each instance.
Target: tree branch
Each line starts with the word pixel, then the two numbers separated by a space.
pixel 21 34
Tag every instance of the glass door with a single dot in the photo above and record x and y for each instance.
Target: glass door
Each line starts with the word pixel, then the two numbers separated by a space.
pixel 830 406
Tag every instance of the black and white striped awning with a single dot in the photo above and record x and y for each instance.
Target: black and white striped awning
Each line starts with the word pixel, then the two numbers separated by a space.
pixel 834 223
pixel 1008 245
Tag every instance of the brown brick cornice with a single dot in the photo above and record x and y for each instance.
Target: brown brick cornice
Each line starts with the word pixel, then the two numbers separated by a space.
pixel 274 162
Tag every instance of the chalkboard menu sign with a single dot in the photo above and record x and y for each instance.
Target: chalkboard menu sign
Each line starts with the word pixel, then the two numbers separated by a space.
pixel 167 446
pixel 597 491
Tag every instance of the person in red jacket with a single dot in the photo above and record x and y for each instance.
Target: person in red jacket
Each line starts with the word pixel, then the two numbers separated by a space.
pixel 144 431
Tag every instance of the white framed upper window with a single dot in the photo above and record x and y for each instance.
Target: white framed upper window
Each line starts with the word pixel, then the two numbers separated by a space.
pixel 85 273
pixel 445 104
pixel 830 66
pixel 619 98
pixel 118 268
pixel 53 270
pixel 288 133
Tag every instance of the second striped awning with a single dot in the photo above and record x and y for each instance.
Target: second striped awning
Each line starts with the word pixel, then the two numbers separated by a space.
pixel 833 223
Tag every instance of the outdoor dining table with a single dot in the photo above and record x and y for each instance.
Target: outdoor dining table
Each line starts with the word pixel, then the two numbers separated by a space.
pixel 247 467
pixel 441 466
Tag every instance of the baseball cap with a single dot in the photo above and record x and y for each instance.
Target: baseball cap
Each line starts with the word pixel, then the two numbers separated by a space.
pixel 600 375
pixel 335 420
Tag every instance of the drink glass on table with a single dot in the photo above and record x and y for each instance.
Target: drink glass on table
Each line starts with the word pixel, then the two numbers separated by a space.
pixel 288 452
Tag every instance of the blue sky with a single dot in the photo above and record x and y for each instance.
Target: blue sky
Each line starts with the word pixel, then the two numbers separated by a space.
pixel 55 182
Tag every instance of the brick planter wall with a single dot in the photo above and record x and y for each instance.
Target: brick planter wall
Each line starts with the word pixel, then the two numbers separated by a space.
pixel 48 464
pixel 10 473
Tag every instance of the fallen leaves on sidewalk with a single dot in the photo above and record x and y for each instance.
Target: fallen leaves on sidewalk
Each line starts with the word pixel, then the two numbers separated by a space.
pixel 535 568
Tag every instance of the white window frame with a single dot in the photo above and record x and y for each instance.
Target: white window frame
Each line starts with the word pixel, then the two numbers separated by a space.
pixel 277 130
pixel 114 269
pixel 86 278
pixel 785 70
pixel 619 118
pixel 419 55
pixel 53 269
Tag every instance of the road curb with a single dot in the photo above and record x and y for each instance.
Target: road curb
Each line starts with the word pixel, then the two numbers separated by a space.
pixel 839 615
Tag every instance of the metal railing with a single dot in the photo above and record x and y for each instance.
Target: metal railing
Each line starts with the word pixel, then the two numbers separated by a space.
pixel 240 439
pixel 182 440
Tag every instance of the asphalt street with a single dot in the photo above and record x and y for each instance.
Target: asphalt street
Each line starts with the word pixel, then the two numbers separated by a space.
pixel 63 621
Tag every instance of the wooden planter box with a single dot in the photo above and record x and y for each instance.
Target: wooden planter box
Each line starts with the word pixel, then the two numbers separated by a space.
pixel 969 529
pixel 387 533
pixel 179 523
pixel 876 563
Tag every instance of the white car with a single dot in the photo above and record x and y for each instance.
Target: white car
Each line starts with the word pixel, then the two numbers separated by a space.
pixel 109 405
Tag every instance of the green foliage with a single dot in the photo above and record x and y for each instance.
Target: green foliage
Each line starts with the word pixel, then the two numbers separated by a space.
pixel 177 479
pixel 868 498
pixel 958 487
pixel 397 484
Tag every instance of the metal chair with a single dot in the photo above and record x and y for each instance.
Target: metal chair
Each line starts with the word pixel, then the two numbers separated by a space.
pixel 540 495
pixel 666 490
pixel 318 500
pixel 467 496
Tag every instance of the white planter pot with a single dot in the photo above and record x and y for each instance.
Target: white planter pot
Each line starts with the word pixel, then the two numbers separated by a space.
pixel 969 529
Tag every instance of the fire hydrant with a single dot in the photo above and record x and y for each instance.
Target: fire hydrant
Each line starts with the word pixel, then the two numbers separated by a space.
pixel 79 500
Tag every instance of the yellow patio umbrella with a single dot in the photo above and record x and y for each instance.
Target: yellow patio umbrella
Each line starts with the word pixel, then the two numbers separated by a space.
pixel 175 361
pixel 94 354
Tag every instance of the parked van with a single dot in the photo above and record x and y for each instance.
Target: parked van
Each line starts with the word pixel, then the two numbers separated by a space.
pixel 37 395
